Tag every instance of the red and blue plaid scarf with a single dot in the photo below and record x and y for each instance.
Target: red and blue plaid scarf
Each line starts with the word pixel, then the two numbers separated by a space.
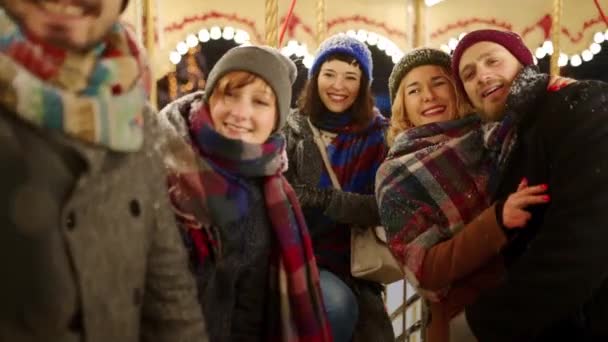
pixel 355 153
pixel 212 194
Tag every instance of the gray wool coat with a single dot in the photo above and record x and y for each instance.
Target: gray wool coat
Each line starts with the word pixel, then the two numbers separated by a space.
pixel 89 247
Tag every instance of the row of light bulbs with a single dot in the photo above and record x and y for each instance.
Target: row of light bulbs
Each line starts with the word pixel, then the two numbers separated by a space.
pixel 301 50
pixel 382 43
pixel 292 48
pixel 214 33
pixel 547 49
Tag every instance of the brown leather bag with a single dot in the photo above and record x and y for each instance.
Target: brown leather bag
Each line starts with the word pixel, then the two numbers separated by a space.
pixel 370 257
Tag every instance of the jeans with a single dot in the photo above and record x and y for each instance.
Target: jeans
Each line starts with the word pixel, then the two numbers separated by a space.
pixel 340 305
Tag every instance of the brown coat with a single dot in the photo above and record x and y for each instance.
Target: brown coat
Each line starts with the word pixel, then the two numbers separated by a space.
pixel 467 263
pixel 99 257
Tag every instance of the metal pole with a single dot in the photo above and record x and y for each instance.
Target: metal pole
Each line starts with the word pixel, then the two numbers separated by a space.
pixel 272 23
pixel 556 29
pixel 321 23
pixel 419 23
pixel 150 44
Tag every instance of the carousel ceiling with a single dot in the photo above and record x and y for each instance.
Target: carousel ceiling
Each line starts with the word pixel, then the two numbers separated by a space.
pixel 396 25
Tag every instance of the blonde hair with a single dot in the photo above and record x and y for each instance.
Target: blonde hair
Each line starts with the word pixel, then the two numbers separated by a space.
pixel 400 121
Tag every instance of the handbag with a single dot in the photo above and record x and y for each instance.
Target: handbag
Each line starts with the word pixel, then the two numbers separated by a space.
pixel 370 257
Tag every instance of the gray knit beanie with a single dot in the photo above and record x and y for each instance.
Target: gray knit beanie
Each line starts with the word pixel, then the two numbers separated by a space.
pixel 413 59
pixel 266 62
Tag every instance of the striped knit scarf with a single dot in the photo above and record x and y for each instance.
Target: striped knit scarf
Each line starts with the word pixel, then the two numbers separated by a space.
pixel 97 97
pixel 433 182
pixel 355 153
pixel 211 193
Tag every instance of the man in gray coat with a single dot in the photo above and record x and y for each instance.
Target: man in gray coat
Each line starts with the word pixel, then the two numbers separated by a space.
pixel 89 249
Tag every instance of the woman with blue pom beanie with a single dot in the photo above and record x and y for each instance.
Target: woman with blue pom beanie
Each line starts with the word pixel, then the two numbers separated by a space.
pixel 337 103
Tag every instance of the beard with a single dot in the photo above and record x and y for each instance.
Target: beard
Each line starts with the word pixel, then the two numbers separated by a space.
pixel 489 115
pixel 80 33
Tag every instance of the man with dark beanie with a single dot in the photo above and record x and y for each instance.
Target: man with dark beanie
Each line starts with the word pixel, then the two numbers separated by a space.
pixel 89 248
pixel 556 287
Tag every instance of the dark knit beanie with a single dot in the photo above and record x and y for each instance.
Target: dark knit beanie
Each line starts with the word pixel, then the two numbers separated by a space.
pixel 348 45
pixel 267 63
pixel 413 59
pixel 509 40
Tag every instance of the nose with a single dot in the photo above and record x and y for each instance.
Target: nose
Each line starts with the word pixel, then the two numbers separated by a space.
pixel 240 110
pixel 483 75
pixel 428 94
pixel 338 83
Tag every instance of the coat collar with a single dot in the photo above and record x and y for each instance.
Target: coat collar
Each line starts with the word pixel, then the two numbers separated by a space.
pixel 529 87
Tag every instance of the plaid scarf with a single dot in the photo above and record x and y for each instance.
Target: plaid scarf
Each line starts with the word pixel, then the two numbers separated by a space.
pixel 97 97
pixel 501 139
pixel 207 191
pixel 434 181
pixel 355 153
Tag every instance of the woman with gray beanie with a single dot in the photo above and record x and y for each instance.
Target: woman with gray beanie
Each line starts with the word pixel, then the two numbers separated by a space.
pixel 250 248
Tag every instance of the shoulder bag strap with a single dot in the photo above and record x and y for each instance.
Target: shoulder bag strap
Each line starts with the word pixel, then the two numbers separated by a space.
pixel 322 149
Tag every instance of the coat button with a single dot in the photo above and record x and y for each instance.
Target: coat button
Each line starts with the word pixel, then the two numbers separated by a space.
pixel 70 220
pixel 135 208
pixel 137 296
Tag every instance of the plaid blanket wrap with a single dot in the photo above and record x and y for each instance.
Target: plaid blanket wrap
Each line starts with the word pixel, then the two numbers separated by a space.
pixel 433 182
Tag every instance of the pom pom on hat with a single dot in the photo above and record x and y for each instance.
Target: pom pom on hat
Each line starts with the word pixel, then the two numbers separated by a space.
pixel 344 44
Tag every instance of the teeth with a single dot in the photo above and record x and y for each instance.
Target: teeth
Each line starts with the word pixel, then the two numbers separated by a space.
pixel 337 97
pixel 237 128
pixel 56 8
pixel 489 91
pixel 433 111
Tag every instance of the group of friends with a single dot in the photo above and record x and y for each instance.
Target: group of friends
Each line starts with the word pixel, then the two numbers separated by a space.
pixel 216 218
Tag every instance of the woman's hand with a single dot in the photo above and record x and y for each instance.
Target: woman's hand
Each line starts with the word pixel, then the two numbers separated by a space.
pixel 514 214
pixel 558 82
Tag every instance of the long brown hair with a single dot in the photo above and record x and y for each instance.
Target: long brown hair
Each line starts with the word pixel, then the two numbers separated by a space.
pixel 310 103
pixel 399 118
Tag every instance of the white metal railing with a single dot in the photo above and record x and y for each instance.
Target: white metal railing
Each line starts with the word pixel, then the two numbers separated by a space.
pixel 405 309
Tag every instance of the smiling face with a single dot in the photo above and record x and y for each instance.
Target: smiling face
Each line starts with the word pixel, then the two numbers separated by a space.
pixel 74 25
pixel 338 84
pixel 243 107
pixel 487 71
pixel 428 95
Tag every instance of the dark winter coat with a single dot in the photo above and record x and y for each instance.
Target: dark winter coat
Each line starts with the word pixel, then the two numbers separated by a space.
pixel 305 169
pixel 557 283
pixel 97 255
